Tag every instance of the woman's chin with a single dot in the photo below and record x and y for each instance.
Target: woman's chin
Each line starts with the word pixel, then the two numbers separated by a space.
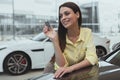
pixel 66 26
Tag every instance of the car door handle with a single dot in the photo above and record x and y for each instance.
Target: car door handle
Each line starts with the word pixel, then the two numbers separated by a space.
pixel 34 50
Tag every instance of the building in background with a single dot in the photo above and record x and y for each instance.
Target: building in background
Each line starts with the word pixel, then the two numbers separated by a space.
pixel 23 17
pixel 109 16
pixel 90 16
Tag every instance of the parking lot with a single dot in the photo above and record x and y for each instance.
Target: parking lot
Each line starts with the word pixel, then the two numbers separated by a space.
pixel 30 74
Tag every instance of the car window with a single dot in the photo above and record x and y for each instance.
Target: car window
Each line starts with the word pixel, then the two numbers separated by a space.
pixel 115 58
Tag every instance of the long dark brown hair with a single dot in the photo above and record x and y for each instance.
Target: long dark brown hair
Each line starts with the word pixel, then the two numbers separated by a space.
pixel 61 29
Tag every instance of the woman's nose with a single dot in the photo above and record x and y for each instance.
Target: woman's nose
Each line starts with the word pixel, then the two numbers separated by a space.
pixel 63 17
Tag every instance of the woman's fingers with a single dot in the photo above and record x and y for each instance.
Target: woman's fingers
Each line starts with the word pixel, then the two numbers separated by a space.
pixel 60 72
pixel 51 33
pixel 45 29
pixel 64 72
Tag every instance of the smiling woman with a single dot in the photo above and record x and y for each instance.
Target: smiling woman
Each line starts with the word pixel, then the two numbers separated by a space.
pixel 74 47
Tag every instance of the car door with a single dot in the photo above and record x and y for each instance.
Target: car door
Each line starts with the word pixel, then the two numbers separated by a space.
pixel 49 50
pixel 37 54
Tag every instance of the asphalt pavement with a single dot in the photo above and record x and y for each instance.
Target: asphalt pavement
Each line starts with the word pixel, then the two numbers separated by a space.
pixel 30 74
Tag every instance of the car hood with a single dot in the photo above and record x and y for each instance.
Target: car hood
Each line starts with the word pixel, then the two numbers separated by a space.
pixel 108 71
pixel 104 71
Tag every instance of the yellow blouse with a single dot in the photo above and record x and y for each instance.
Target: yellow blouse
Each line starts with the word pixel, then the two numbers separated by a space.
pixel 83 48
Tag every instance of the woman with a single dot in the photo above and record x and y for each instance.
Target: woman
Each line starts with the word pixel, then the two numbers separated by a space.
pixel 74 47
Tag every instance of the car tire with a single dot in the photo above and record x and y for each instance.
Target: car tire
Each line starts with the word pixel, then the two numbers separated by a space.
pixel 101 51
pixel 16 63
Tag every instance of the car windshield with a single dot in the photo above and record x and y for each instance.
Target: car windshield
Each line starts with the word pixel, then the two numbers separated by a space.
pixel 40 37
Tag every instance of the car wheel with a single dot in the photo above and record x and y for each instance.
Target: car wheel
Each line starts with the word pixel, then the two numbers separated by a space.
pixel 101 51
pixel 16 63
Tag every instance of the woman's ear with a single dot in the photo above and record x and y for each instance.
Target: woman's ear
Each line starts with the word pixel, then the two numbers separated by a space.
pixel 77 14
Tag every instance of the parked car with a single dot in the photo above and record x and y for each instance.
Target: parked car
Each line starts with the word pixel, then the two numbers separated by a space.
pixel 102 45
pixel 115 46
pixel 108 69
pixel 18 57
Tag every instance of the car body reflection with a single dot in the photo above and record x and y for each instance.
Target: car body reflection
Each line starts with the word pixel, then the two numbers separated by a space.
pixel 90 73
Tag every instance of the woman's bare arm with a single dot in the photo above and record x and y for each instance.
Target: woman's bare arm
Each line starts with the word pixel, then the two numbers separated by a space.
pixel 52 34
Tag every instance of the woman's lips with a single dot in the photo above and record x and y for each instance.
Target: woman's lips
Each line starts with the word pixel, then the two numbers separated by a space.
pixel 65 22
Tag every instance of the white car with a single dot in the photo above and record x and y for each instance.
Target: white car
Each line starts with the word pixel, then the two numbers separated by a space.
pixel 102 45
pixel 17 57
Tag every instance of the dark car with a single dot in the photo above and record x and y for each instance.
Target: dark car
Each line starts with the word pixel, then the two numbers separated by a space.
pixel 108 69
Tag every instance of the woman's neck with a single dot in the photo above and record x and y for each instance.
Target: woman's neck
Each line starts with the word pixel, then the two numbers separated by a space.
pixel 73 32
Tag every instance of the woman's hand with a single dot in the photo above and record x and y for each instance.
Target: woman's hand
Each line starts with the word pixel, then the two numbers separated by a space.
pixel 51 33
pixel 62 70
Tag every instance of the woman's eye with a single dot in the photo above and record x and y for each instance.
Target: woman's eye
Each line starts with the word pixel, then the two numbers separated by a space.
pixel 66 13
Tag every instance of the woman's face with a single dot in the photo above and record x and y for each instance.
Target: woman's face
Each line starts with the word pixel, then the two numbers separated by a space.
pixel 68 18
